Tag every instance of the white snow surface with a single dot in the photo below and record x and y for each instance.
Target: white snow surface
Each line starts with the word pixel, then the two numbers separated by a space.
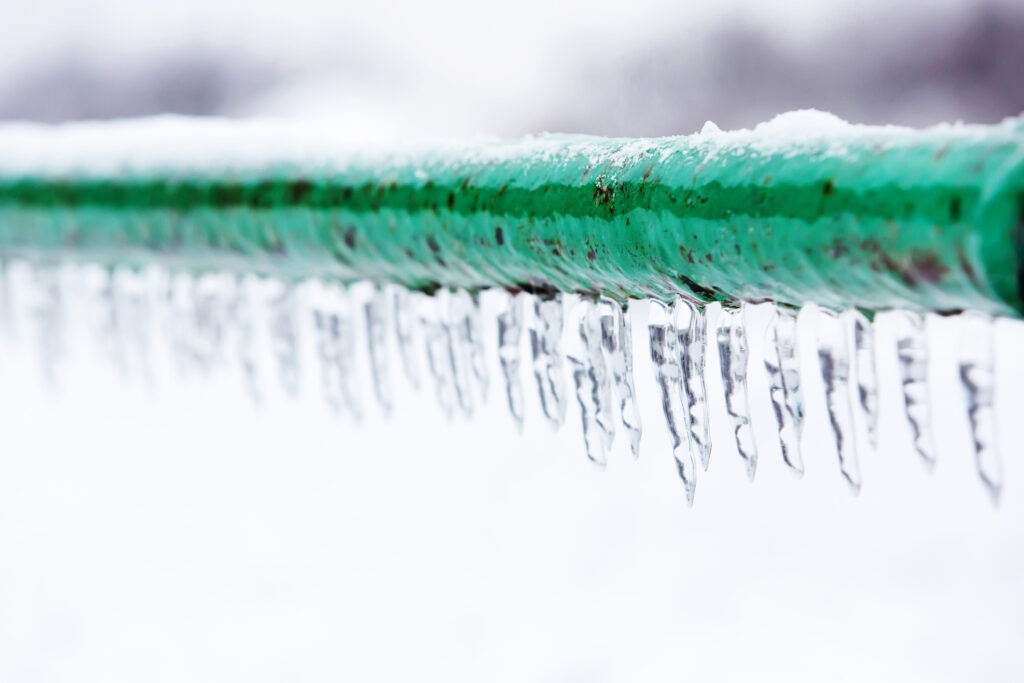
pixel 200 145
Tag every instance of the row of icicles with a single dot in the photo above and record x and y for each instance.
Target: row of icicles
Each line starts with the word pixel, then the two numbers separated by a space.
pixel 598 351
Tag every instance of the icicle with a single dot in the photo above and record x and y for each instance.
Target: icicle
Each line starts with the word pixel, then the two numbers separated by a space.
pixel 977 377
pixel 336 337
pixel 6 298
pixel 510 329
pixel 593 390
pixel 732 354
pixel 782 362
pixel 617 340
pixel 590 329
pixel 834 358
pixel 49 316
pixel 864 373
pixel 132 315
pixel 545 336
pixel 435 338
pixel 455 308
pixel 405 319
pixel 692 327
pixel 177 288
pixel 477 356
pixel 668 375
pixel 109 331
pixel 206 331
pixel 912 352
pixel 284 337
pixel 375 312
pixel 240 315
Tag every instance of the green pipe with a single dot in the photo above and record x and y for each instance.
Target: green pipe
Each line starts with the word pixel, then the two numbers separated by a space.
pixel 874 218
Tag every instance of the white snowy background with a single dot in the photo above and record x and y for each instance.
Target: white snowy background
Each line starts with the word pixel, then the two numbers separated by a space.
pixel 169 530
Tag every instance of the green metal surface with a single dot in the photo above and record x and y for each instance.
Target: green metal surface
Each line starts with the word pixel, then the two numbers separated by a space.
pixel 873 218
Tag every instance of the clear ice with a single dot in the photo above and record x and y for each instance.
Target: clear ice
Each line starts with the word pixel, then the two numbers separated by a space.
pixel 732 355
pixel 336 343
pixel 834 359
pixel 864 373
pixel 240 317
pixel 691 325
pixel 912 353
pixel 221 320
pixel 545 336
pixel 437 341
pixel 782 362
pixel 590 377
pixel 455 312
pixel 405 322
pixel 510 331
pixel 976 361
pixel 668 375
pixel 375 312
pixel 284 335
pixel 617 340
pixel 48 311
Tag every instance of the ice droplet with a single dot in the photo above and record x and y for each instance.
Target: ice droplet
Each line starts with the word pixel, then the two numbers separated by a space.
pixel 455 307
pixel 864 373
pixel 912 353
pixel 375 313
pixel 782 361
pixel 405 320
pixel 593 390
pixel 284 335
pixel 617 340
pixel 691 325
pixel 336 336
pixel 732 354
pixel 668 376
pixel 977 377
pixel 545 336
pixel 834 358
pixel 439 361
pixel 510 330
